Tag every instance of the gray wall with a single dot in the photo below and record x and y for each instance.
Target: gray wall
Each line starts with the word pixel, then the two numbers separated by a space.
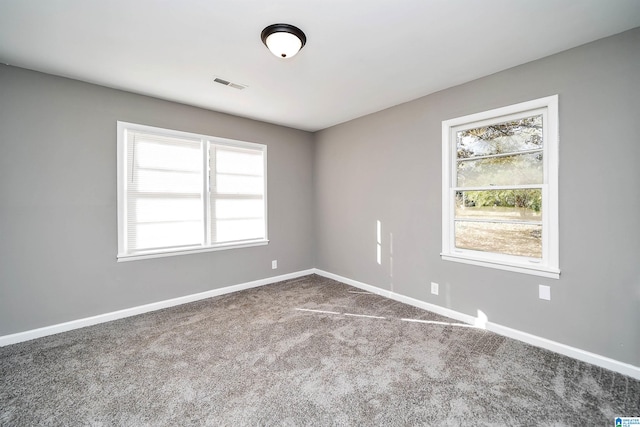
pixel 58 224
pixel 58 239
pixel 387 167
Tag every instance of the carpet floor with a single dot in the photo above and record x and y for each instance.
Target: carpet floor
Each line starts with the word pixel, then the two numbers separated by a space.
pixel 308 351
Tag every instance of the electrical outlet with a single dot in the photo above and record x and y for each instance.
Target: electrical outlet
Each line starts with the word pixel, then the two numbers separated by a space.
pixel 544 292
pixel 274 264
pixel 434 288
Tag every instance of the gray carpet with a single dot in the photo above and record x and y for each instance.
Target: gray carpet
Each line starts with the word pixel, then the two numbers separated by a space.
pixel 295 353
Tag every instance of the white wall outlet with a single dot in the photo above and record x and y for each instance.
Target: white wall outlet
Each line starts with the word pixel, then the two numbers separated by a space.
pixel 274 264
pixel 544 292
pixel 434 288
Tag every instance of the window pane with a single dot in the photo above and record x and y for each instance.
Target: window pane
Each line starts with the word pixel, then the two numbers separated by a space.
pixel 238 229
pixel 167 209
pixel 500 138
pixel 239 161
pixel 522 205
pixel 520 169
pixel 184 157
pixel 166 166
pixel 239 184
pixel 226 209
pixel 510 239
pixel 163 181
pixel 166 234
pixel 238 171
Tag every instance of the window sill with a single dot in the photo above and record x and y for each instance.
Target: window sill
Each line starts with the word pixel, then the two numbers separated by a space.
pixel 536 270
pixel 161 254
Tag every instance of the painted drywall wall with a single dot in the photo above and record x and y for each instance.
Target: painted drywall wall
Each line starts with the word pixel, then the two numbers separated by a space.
pixel 387 167
pixel 58 223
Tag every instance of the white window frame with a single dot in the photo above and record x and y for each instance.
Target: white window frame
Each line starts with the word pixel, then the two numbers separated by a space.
pixel 124 254
pixel 548 265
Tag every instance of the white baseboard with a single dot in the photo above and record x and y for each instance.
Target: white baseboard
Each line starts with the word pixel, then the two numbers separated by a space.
pixel 128 312
pixel 576 353
pixel 443 311
pixel 566 350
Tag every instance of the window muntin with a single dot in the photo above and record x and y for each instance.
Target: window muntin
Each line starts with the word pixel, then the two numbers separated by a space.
pixel 500 188
pixel 180 192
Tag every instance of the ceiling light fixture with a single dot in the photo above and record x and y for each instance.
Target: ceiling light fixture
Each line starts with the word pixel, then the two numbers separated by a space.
pixel 283 40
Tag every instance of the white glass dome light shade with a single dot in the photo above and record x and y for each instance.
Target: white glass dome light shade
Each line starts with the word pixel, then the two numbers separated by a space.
pixel 283 45
pixel 283 40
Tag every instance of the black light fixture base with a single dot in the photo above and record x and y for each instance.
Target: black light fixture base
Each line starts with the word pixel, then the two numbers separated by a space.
pixel 283 28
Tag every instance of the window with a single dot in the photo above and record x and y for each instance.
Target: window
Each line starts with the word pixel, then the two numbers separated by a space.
pixel 500 188
pixel 181 193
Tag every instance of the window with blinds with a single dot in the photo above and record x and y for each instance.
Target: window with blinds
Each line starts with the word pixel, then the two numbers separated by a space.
pixel 181 193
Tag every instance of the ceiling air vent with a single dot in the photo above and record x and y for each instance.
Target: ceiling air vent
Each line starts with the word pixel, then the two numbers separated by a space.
pixel 228 83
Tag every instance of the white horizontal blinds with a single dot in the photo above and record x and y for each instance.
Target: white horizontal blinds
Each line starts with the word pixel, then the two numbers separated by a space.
pixel 237 194
pixel 499 180
pixel 164 192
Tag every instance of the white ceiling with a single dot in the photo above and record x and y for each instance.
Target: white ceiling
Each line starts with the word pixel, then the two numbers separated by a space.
pixel 361 56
